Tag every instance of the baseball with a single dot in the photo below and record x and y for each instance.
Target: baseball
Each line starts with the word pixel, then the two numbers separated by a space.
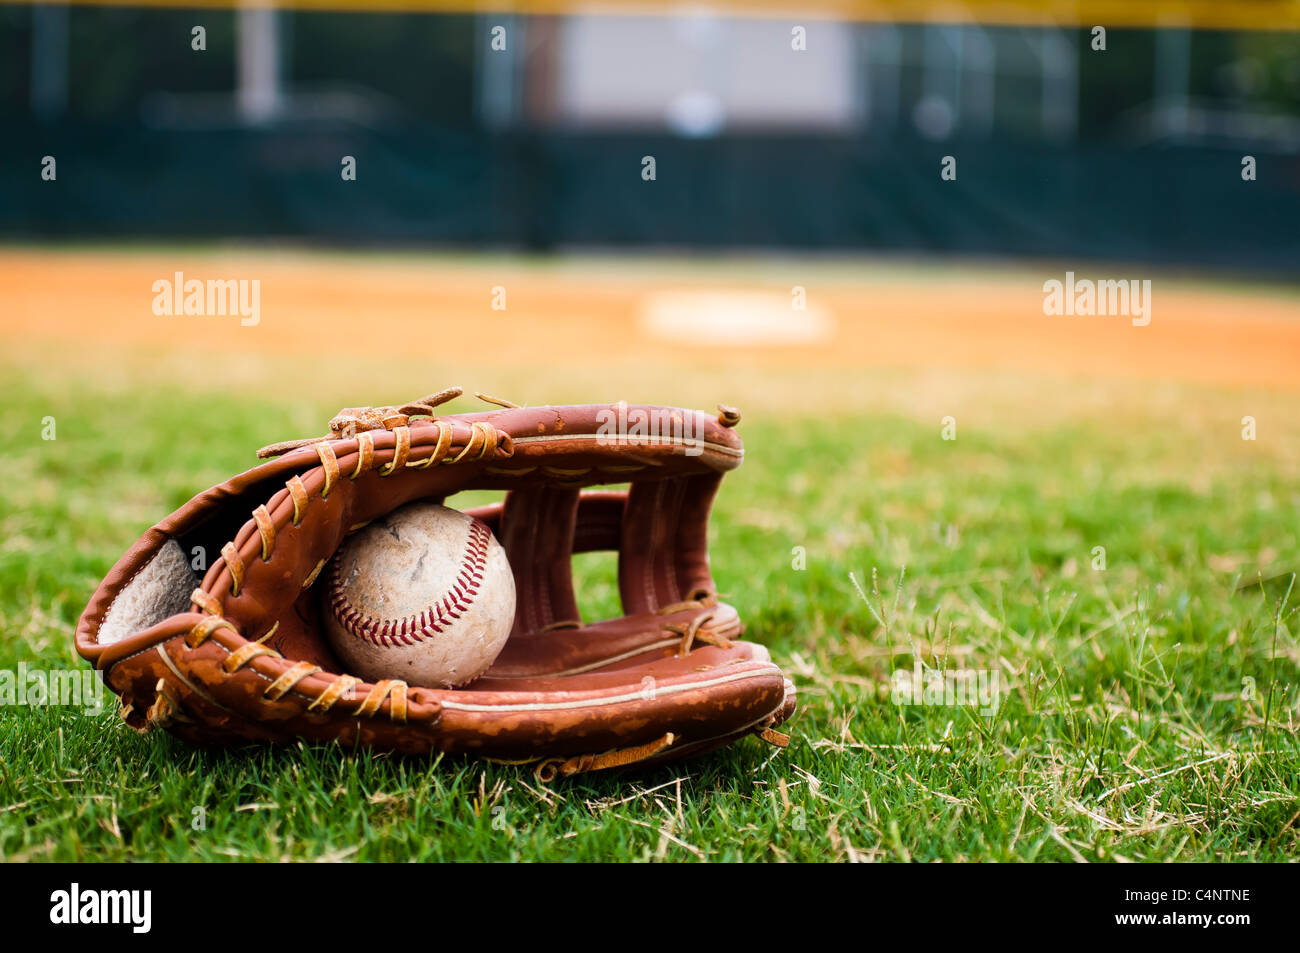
pixel 424 594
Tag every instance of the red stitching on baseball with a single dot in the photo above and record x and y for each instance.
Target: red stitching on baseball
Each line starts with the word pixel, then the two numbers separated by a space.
pixel 416 628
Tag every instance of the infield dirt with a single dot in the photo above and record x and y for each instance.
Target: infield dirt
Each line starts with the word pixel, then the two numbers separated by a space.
pixel 573 311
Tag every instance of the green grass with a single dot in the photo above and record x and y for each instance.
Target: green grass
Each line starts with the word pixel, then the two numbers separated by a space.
pixel 1124 731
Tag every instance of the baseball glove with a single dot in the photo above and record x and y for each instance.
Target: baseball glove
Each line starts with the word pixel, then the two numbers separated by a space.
pixel 240 654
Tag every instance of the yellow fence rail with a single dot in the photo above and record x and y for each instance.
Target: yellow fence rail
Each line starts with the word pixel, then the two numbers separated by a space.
pixel 1282 15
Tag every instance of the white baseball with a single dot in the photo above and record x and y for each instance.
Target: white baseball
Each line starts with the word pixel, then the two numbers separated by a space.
pixel 424 594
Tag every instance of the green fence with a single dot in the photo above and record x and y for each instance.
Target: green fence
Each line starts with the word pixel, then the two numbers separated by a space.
pixel 1162 204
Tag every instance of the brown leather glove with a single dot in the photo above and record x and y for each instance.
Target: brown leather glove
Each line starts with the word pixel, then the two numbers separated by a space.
pixel 243 656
